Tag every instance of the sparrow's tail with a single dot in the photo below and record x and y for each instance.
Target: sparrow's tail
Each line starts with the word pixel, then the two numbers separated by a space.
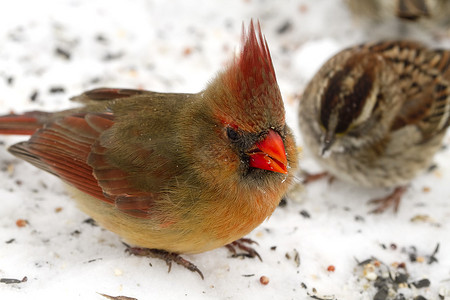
pixel 25 124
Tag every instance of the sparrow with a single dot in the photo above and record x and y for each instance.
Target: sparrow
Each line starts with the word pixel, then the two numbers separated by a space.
pixel 375 114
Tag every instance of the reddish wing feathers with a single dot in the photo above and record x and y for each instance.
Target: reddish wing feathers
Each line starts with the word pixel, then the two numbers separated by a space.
pixel 70 149
pixel 114 182
pixel 63 152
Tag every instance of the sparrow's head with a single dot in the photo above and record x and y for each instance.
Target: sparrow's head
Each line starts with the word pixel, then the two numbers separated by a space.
pixel 248 110
pixel 349 101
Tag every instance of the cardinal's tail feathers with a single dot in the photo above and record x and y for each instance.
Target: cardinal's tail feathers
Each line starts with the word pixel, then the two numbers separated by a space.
pixel 24 124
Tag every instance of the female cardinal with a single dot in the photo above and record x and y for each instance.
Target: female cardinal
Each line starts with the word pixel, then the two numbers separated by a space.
pixel 172 173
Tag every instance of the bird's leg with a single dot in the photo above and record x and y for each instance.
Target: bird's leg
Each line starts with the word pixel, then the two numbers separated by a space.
pixel 168 257
pixel 392 199
pixel 308 177
pixel 250 252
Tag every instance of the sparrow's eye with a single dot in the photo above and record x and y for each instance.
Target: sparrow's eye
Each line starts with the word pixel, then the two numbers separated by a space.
pixel 232 134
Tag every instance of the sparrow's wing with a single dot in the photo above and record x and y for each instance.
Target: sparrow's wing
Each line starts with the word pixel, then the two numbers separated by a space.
pixel 425 87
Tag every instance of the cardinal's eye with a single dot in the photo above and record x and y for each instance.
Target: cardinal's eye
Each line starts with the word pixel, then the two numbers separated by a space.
pixel 232 134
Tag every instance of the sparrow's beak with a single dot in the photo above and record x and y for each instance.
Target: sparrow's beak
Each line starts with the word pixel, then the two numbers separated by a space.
pixel 269 154
pixel 327 142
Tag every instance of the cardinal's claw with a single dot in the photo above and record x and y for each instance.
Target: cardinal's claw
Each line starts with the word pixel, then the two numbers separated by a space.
pixel 168 257
pixel 250 252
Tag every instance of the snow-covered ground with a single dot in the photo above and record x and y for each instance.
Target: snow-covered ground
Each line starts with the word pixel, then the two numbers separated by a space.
pixel 51 50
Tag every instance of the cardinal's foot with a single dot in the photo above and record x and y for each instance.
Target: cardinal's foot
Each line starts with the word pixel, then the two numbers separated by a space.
pixel 248 251
pixel 168 257
pixel 390 200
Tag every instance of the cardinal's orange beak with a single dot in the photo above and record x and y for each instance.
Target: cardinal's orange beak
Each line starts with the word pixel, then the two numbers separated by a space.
pixel 270 154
